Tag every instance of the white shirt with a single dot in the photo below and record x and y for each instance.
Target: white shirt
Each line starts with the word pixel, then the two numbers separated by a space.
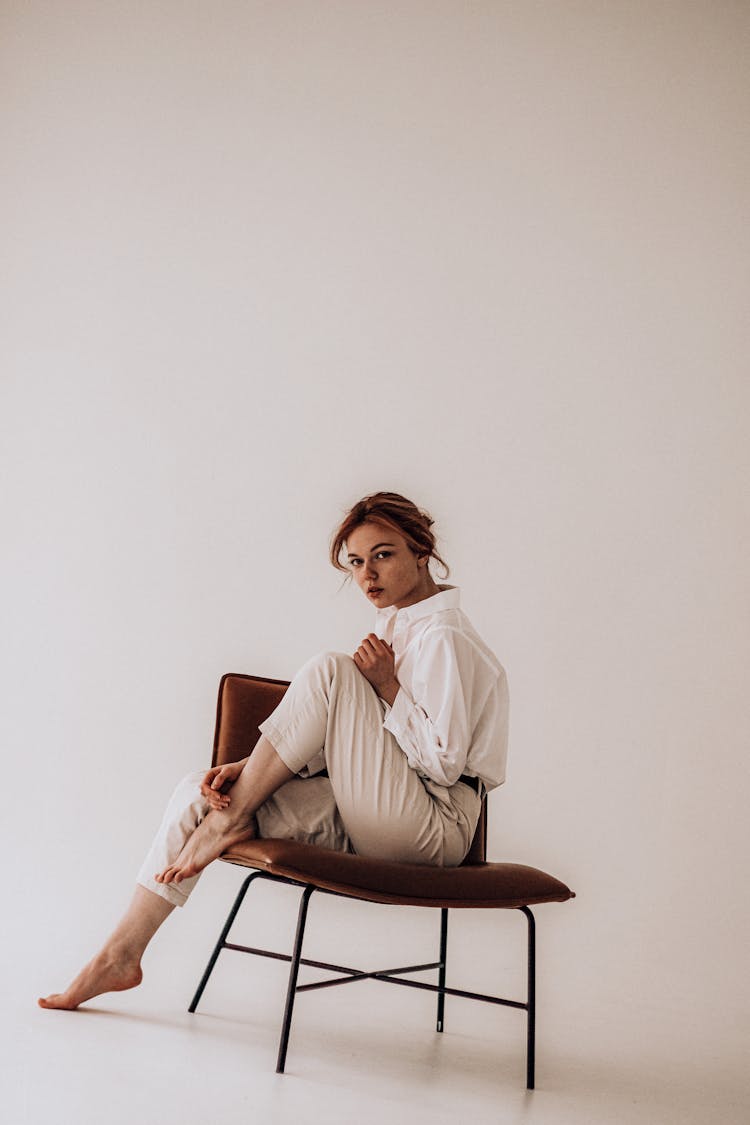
pixel 450 716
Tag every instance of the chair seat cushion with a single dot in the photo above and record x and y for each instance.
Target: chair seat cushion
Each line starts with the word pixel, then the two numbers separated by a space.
pixel 490 885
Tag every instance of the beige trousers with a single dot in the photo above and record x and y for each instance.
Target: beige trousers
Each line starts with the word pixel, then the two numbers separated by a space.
pixel 371 803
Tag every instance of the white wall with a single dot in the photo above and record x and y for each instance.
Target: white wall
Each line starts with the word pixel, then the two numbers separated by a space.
pixel 261 258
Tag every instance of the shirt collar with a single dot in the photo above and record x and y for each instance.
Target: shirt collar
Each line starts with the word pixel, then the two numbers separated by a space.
pixel 448 597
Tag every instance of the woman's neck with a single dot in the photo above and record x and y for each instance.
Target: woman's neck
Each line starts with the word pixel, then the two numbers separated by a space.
pixel 426 589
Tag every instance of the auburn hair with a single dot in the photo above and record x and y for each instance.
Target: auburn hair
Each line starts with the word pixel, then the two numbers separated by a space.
pixel 393 511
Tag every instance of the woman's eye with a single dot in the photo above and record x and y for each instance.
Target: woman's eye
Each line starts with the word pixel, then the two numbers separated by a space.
pixel 383 555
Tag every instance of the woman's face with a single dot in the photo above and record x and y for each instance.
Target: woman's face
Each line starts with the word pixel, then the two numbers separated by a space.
pixel 386 569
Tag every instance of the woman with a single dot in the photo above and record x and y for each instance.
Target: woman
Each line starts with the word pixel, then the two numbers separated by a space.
pixel 386 753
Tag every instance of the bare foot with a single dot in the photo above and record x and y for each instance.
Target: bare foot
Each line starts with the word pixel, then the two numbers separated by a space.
pixel 213 836
pixel 108 972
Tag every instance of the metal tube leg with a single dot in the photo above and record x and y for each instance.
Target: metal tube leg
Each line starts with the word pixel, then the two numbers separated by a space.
pixel 293 972
pixel 531 1000
pixel 441 974
pixel 220 943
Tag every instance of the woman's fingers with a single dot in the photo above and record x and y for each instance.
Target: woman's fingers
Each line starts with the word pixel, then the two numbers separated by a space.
pixel 373 648
pixel 211 788
pixel 378 649
pixel 375 659
pixel 217 800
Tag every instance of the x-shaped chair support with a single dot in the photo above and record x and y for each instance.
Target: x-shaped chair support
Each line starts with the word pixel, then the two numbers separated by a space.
pixel 391 976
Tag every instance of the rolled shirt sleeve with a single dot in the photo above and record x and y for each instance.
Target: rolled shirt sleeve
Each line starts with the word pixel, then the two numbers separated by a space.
pixel 434 723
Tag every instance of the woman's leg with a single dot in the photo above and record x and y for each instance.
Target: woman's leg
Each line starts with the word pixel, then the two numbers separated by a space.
pixel 305 708
pixel 387 810
pixel 263 774
pixel 118 964
pixel 186 809
pixel 304 810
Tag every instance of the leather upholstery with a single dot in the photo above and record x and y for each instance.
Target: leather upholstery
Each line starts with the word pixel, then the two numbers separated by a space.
pixel 490 885
pixel 244 702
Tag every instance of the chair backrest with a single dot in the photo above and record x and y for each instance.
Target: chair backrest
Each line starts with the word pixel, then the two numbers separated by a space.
pixel 245 701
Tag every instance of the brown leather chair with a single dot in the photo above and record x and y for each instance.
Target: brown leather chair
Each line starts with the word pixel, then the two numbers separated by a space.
pixel 244 702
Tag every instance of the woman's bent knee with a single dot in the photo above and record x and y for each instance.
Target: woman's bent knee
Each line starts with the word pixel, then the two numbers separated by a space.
pixel 340 661
pixel 331 664
pixel 187 791
pixel 191 782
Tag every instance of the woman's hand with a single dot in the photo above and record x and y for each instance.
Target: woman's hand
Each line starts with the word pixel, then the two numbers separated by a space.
pixel 376 661
pixel 216 779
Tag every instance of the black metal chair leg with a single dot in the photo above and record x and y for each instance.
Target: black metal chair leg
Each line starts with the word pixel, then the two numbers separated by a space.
pixel 293 972
pixel 531 1000
pixel 441 974
pixel 222 938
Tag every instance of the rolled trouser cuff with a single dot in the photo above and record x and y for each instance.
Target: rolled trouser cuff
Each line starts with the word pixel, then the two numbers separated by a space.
pixel 186 809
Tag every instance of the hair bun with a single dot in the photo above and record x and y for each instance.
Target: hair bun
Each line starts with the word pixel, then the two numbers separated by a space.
pixel 396 512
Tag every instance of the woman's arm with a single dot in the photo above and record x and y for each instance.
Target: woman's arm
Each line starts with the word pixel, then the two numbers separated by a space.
pixel 435 727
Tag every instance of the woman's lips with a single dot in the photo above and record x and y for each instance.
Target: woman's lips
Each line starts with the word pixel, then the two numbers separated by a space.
pixel 374 591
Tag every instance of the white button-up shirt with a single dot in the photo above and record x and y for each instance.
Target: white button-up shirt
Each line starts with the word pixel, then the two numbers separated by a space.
pixel 450 716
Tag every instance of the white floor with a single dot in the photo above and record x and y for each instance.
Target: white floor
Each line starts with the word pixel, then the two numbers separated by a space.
pixel 364 1053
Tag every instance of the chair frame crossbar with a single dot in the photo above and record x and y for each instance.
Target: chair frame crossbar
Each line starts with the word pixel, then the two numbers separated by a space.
pixel 348 975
